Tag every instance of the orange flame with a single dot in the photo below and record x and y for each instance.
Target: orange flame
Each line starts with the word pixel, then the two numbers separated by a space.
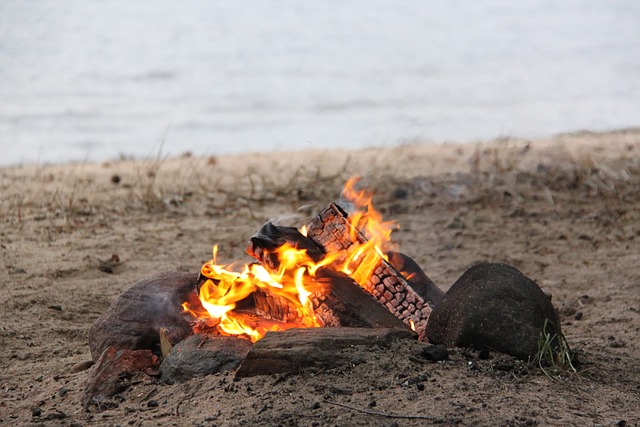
pixel 294 279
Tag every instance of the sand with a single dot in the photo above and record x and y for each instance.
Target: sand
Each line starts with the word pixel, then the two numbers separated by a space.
pixel 565 211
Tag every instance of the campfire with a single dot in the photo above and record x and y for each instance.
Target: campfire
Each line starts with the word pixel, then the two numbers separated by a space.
pixel 311 295
pixel 334 271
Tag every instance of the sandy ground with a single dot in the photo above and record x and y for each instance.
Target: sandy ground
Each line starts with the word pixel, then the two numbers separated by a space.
pixel 565 211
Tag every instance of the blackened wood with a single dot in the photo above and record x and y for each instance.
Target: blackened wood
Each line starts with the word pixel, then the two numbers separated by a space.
pixel 421 283
pixel 345 300
pixel 331 230
pixel 335 299
pixel 394 292
pixel 295 350
pixel 263 244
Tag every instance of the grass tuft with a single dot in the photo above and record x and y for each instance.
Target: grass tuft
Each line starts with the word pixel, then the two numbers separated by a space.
pixel 554 355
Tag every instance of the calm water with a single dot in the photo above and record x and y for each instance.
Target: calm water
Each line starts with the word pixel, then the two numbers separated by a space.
pixel 91 79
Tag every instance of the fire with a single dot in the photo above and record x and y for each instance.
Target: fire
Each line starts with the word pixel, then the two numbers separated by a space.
pixel 295 277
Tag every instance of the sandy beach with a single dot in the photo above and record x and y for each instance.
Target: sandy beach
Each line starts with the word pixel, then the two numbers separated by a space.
pixel 565 211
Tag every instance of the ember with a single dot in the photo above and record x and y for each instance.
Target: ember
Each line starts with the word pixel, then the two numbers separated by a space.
pixel 292 285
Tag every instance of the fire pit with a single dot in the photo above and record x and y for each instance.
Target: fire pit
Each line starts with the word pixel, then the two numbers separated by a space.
pixel 311 294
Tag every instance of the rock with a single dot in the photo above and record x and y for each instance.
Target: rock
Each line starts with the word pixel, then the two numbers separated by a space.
pixel 201 355
pixel 110 373
pixel 435 353
pixel 135 317
pixel 494 307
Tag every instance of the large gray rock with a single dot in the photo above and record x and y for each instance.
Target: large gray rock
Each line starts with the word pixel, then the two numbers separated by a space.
pixel 133 320
pixel 494 307
pixel 201 355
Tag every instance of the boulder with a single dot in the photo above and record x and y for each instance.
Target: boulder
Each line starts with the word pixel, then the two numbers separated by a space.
pixel 201 355
pixel 134 319
pixel 494 307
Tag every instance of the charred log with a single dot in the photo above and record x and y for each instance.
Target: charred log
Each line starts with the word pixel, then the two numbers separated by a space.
pixel 336 301
pixel 331 230
pixel 262 245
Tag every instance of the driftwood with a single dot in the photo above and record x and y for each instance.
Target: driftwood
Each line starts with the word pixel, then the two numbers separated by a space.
pixel 295 350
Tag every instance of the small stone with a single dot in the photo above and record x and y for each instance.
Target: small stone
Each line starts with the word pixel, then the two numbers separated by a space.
pixel 483 354
pixel 152 404
pixel 435 353
pixel 36 411
pixel 372 404
pixel 315 405
pixel 578 315
pixel 420 386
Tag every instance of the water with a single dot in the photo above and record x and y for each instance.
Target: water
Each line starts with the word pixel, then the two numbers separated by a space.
pixel 93 80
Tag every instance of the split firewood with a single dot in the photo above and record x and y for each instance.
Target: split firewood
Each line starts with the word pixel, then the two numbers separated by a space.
pixel 331 230
pixel 411 271
pixel 336 300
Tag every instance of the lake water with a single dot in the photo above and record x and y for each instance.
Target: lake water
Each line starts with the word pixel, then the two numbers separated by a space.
pixel 93 80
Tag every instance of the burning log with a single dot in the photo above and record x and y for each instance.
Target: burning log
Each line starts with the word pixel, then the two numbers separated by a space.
pixel 264 244
pixel 314 348
pixel 332 230
pixel 291 283
pixel 335 299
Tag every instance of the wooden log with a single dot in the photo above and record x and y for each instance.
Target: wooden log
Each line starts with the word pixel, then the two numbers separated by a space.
pixel 350 304
pixel 336 300
pixel 421 283
pixel 314 349
pixel 270 237
pixel 331 230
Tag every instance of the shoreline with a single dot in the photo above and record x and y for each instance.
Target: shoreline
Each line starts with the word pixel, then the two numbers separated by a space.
pixel 567 140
